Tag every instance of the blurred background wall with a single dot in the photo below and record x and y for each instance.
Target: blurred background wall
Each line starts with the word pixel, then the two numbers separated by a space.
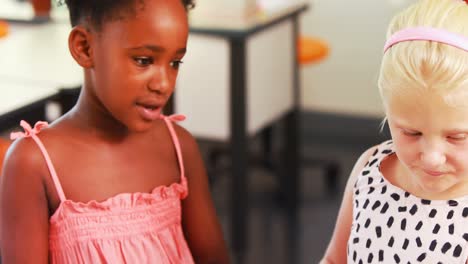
pixel 345 82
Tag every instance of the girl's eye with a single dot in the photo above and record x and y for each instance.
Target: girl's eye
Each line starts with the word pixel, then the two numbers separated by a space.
pixel 143 61
pixel 457 137
pixel 176 64
pixel 411 133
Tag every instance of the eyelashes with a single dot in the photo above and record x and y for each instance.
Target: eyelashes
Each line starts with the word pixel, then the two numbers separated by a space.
pixel 176 64
pixel 147 61
pixel 415 134
pixel 143 61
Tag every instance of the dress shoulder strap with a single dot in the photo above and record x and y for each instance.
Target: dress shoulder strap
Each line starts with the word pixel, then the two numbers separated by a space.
pixel 32 132
pixel 175 140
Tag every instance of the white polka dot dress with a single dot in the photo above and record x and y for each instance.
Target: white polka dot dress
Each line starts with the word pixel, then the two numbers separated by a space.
pixel 391 225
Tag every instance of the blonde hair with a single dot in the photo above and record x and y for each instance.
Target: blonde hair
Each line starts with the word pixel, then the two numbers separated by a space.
pixel 422 66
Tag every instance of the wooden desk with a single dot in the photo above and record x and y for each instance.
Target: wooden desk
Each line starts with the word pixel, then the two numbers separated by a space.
pixel 238 78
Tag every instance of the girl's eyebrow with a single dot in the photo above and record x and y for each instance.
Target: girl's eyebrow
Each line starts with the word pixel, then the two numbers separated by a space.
pixel 400 123
pixel 407 129
pixel 158 49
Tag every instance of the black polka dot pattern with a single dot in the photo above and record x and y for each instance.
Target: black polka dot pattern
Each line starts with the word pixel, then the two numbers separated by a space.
pixel 433 245
pixel 390 225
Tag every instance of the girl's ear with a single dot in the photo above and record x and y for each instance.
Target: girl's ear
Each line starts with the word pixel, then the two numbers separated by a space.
pixel 80 45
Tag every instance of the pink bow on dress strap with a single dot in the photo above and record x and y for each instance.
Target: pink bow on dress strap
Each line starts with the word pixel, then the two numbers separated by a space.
pixel 28 130
pixel 175 117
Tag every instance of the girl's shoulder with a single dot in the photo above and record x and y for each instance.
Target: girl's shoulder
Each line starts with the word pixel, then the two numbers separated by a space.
pixel 23 152
pixel 371 156
pixel 191 155
pixel 26 143
pixel 24 161
pixel 188 143
pixel 369 165
pixel 30 142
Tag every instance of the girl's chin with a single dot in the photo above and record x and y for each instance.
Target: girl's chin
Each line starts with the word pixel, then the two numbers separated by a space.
pixel 436 187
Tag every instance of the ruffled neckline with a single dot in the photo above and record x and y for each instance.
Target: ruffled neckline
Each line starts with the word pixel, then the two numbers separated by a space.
pixel 123 201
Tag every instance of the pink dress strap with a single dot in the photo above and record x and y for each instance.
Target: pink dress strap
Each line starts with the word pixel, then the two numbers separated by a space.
pixel 32 132
pixel 175 139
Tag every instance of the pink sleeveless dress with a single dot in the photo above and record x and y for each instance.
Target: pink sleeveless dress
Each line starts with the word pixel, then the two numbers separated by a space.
pixel 126 228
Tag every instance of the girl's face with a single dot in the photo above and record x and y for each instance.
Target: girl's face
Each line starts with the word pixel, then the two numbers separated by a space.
pixel 136 61
pixel 431 143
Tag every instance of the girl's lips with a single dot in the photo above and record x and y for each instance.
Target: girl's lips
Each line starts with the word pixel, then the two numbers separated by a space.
pixel 434 173
pixel 149 114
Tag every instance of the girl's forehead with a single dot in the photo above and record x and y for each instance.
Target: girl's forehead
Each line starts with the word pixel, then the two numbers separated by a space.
pixel 455 99
pixel 413 100
pixel 426 109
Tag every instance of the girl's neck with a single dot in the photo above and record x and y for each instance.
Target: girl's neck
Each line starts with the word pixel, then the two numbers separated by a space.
pixel 89 115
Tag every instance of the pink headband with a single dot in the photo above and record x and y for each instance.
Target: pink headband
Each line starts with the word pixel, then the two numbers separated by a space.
pixel 429 34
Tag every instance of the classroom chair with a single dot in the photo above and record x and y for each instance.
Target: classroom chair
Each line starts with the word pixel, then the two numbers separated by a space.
pixel 3 28
pixel 312 50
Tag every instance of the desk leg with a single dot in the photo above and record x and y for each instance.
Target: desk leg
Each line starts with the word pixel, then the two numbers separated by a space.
pixel 267 145
pixel 291 172
pixel 239 149
pixel 292 133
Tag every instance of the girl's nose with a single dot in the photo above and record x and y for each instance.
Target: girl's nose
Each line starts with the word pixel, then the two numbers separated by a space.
pixel 433 159
pixel 160 83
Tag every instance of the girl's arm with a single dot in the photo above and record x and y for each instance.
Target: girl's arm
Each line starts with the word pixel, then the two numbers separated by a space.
pixel 24 213
pixel 200 222
pixel 336 251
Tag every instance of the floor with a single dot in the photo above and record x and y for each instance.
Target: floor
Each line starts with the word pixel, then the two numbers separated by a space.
pixel 272 238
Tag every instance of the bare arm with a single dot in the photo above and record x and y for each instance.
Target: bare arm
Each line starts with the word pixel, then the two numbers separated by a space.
pixel 200 222
pixel 24 213
pixel 336 251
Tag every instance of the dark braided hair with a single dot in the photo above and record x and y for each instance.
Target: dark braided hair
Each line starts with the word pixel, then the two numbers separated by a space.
pixel 98 11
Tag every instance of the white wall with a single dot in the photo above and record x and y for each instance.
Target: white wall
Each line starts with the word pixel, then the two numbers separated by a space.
pixel 345 82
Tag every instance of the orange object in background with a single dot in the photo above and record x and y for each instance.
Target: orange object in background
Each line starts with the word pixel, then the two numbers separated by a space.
pixel 4 145
pixel 311 50
pixel 3 28
pixel 41 7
